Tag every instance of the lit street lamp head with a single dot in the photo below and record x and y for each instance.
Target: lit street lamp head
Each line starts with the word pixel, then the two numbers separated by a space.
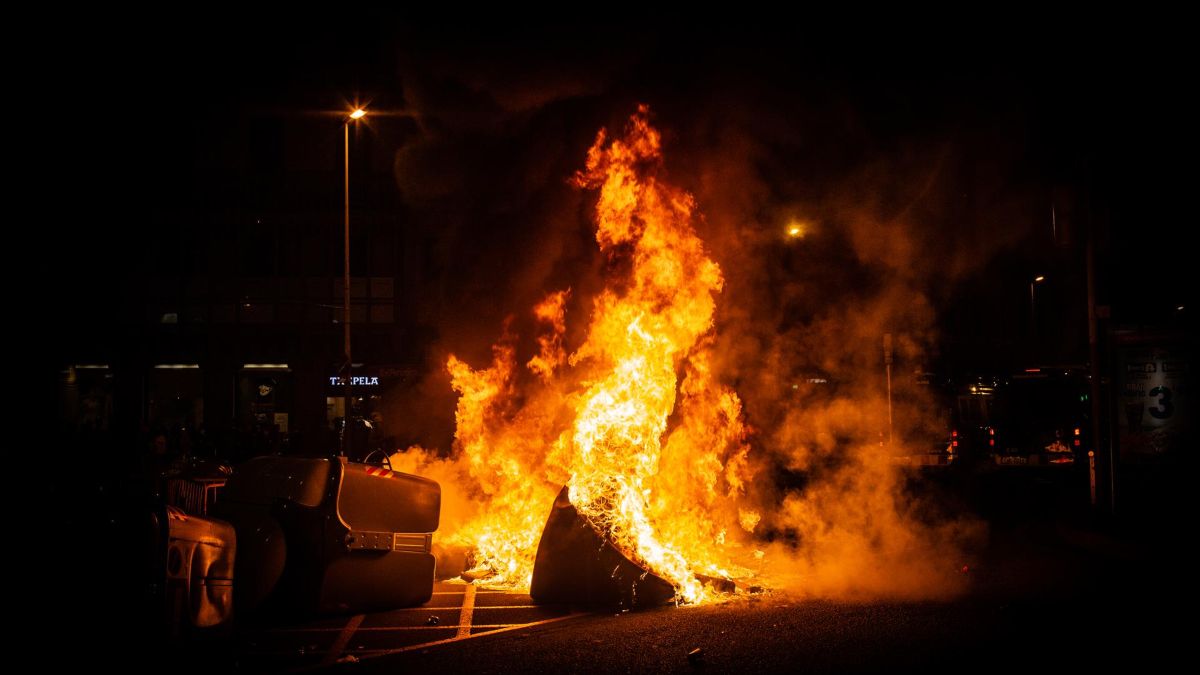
pixel 358 114
pixel 796 230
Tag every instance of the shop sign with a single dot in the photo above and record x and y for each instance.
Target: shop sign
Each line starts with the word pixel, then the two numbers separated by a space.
pixel 355 381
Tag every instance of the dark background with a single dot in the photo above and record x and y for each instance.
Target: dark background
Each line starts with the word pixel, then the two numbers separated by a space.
pixel 925 159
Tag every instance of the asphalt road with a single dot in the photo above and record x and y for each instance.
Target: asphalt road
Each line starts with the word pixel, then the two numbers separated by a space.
pixel 1039 600
pixel 1052 588
pixel 456 612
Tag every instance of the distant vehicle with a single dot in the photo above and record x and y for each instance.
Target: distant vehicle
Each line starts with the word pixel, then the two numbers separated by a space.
pixel 1038 417
pixel 1041 417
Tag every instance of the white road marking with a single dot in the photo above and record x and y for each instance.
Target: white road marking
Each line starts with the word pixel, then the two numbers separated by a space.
pixel 462 628
pixel 363 629
pixel 468 611
pixel 342 640
pixel 449 607
pixel 382 652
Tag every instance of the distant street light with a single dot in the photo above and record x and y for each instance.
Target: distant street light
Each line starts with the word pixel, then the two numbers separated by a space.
pixel 1033 301
pixel 354 116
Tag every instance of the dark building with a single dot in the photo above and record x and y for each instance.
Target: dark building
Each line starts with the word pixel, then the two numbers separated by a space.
pixel 220 322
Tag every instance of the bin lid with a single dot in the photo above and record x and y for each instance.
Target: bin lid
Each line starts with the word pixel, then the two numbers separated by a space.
pixel 264 480
pixel 373 498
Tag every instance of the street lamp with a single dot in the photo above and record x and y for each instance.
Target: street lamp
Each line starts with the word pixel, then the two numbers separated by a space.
pixel 1033 302
pixel 354 116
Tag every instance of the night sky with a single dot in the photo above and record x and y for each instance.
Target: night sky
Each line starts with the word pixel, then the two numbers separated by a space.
pixel 927 160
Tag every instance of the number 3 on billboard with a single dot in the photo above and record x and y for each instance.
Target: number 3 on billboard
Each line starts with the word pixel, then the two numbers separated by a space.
pixel 1166 408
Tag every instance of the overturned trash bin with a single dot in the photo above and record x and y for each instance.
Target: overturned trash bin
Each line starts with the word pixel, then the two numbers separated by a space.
pixel 325 535
pixel 198 556
pixel 575 564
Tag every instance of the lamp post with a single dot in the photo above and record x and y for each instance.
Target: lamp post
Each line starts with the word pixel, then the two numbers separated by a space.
pixel 358 114
pixel 1033 302
pixel 887 360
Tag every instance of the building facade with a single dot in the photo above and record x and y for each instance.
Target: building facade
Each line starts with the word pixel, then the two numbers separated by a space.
pixel 222 325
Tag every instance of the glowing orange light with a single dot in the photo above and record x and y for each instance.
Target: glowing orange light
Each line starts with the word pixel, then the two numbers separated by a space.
pixel 358 114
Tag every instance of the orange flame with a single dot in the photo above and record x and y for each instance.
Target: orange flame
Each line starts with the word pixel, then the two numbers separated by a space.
pixel 652 446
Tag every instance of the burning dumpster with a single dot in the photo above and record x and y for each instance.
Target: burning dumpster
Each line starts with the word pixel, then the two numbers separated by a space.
pixel 576 564
pixel 326 535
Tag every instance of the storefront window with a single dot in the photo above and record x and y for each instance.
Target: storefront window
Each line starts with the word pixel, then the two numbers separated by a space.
pixel 85 399
pixel 265 398
pixel 175 397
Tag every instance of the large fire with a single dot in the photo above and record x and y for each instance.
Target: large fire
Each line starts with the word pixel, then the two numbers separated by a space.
pixel 630 414
pixel 652 447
